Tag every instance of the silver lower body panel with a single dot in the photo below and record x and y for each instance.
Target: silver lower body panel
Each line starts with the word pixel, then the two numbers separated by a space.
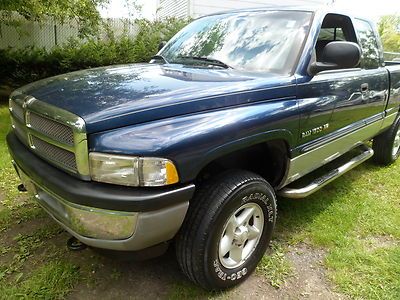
pixel 108 229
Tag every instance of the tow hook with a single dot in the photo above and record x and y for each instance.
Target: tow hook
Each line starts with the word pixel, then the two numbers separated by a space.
pixel 74 244
pixel 22 188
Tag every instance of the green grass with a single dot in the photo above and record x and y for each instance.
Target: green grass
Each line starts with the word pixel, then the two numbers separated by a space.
pixel 360 206
pixel 355 220
pixel 188 291
pixel 13 208
pixel 275 266
pixel 50 281
pixel 7 173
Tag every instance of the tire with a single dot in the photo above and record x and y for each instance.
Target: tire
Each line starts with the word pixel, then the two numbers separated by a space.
pixel 207 231
pixel 387 145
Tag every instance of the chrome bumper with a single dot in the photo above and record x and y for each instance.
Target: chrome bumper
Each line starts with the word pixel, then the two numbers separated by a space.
pixel 108 229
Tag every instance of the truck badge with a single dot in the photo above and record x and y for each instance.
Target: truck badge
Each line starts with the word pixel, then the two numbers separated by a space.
pixel 314 131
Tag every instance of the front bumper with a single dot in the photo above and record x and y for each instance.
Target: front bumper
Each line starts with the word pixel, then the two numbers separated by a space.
pixel 102 215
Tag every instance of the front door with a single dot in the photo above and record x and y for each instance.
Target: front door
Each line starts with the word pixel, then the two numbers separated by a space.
pixel 364 91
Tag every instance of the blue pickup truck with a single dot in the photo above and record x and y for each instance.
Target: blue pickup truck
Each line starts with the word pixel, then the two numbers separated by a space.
pixel 195 146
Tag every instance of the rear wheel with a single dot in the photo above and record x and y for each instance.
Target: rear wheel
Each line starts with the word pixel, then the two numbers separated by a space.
pixel 227 230
pixel 387 145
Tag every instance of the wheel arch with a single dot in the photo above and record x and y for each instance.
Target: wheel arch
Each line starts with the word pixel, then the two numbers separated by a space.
pixel 268 158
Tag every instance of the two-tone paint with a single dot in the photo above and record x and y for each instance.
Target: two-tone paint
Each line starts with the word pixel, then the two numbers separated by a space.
pixel 195 115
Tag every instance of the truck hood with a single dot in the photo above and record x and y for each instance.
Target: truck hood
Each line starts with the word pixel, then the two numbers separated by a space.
pixel 110 97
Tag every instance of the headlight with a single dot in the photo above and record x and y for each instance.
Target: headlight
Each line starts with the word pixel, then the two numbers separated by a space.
pixel 132 171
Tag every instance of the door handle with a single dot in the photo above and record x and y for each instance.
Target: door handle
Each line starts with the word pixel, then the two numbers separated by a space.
pixel 364 87
pixel 365 92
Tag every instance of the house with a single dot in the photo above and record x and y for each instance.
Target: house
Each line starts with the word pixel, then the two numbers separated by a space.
pixel 197 8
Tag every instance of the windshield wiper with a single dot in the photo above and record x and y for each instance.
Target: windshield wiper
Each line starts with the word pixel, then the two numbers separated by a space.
pixel 158 56
pixel 209 60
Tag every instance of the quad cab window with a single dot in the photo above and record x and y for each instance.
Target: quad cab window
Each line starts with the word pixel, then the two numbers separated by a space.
pixel 370 49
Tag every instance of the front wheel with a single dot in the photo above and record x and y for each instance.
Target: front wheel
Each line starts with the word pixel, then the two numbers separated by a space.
pixel 227 230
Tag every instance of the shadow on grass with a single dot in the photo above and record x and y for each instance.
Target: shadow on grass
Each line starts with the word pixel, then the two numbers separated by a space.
pixel 161 277
pixel 111 277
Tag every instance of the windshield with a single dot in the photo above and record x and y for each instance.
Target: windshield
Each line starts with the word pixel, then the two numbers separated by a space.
pixel 256 42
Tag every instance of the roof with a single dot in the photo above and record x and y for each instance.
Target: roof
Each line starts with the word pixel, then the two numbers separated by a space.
pixel 304 5
pixel 295 5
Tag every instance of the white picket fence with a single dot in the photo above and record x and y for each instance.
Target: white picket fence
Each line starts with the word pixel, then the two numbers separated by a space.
pixel 49 34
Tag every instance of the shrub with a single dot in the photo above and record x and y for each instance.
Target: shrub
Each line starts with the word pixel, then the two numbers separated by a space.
pixel 20 66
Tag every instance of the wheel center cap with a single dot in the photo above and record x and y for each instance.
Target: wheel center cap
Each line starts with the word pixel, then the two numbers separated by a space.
pixel 241 235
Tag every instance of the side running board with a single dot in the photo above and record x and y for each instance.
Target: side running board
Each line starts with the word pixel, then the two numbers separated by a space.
pixel 322 181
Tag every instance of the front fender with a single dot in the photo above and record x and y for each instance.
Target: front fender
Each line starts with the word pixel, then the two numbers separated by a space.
pixel 193 141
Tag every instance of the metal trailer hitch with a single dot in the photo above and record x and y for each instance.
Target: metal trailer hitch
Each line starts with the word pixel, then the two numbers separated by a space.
pixel 74 244
pixel 22 188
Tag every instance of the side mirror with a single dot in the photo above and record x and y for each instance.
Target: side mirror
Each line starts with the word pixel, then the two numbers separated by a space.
pixel 337 55
pixel 161 45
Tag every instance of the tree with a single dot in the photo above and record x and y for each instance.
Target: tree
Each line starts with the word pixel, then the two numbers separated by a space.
pixel 389 30
pixel 84 12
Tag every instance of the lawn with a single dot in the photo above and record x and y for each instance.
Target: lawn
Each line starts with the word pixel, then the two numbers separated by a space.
pixel 349 233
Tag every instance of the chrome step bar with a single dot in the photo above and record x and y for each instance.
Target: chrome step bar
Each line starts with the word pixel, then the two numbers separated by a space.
pixel 322 181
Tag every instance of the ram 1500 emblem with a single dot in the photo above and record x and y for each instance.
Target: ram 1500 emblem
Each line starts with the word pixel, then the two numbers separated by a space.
pixel 314 131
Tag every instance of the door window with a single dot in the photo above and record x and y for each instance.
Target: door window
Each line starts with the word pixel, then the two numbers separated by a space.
pixel 334 28
pixel 331 34
pixel 369 45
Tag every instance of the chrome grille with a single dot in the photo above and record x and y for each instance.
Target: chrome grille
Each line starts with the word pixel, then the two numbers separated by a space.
pixel 59 155
pixel 47 131
pixel 53 129
pixel 17 111
pixel 19 130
